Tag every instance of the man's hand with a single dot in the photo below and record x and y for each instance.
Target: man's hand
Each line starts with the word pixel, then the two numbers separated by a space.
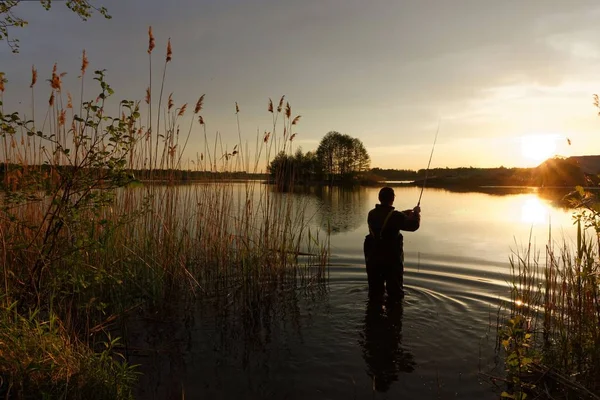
pixel 414 213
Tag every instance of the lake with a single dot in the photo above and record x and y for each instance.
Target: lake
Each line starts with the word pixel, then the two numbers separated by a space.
pixel 328 342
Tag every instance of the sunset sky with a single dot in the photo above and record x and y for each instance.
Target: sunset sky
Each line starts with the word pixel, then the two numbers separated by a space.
pixel 508 80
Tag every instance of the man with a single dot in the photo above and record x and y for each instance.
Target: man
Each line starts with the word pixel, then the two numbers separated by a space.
pixel 383 247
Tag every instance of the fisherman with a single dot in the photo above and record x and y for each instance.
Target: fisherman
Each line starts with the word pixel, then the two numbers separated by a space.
pixel 383 247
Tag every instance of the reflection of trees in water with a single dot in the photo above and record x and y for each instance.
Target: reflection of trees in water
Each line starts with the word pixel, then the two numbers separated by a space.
pixel 342 209
pixel 381 342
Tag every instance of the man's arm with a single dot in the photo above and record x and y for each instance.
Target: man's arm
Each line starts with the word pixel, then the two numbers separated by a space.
pixel 411 219
pixel 369 220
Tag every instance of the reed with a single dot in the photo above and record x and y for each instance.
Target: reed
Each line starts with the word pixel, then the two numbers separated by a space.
pixel 551 334
pixel 84 242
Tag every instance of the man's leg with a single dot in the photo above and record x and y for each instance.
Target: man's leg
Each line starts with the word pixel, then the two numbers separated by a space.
pixel 394 281
pixel 376 281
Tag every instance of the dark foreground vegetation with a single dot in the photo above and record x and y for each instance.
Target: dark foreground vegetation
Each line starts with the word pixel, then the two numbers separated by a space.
pixel 85 243
pixel 549 333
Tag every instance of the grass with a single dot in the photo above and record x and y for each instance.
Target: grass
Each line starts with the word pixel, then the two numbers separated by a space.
pixel 551 336
pixel 41 360
pixel 84 242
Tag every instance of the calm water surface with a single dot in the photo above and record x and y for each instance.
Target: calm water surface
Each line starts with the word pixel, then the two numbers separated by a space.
pixel 329 342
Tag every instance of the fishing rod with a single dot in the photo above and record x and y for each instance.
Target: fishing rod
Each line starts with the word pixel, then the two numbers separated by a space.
pixel 429 163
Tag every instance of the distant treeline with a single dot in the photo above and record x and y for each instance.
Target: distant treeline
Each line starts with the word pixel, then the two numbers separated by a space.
pixel 188 175
pixel 552 172
pixel 50 172
pixel 395 174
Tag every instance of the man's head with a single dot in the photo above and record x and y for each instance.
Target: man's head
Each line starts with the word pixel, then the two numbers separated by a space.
pixel 386 196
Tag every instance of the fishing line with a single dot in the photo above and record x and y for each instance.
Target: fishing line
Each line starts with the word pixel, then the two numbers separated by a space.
pixel 429 163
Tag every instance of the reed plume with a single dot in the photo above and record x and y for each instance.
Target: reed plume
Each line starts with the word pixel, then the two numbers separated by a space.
pixel 55 82
pixel 33 76
pixel 169 51
pixel 199 104
pixel 151 43
pixel 84 63
pixel 182 110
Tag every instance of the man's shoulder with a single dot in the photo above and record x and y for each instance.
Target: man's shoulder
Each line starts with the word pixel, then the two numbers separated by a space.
pixel 375 210
pixel 381 213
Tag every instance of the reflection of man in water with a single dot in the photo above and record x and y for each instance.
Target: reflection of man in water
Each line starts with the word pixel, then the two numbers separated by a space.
pixel 382 344
pixel 383 247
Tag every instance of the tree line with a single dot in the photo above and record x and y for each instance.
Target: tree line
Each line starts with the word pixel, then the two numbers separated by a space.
pixel 339 158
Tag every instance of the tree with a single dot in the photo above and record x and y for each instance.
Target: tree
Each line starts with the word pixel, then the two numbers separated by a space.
pixel 8 19
pixel 285 170
pixel 342 157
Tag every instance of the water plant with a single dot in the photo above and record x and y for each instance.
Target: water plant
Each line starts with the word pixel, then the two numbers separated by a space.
pixel 551 335
pixel 40 359
pixel 95 223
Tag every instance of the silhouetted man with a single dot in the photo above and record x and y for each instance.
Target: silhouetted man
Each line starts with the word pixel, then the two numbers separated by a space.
pixel 383 247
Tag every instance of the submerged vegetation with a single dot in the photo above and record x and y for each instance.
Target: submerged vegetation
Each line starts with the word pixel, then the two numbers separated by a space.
pixel 84 243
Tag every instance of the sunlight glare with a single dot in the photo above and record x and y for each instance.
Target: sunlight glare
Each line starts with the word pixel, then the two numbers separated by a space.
pixel 538 148
pixel 534 211
pixel 518 303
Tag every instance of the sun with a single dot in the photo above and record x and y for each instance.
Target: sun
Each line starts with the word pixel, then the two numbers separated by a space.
pixel 538 148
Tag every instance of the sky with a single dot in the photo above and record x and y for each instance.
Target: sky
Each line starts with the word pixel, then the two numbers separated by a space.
pixel 507 82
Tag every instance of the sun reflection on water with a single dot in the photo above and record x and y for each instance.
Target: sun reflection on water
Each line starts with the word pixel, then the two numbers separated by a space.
pixel 533 211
